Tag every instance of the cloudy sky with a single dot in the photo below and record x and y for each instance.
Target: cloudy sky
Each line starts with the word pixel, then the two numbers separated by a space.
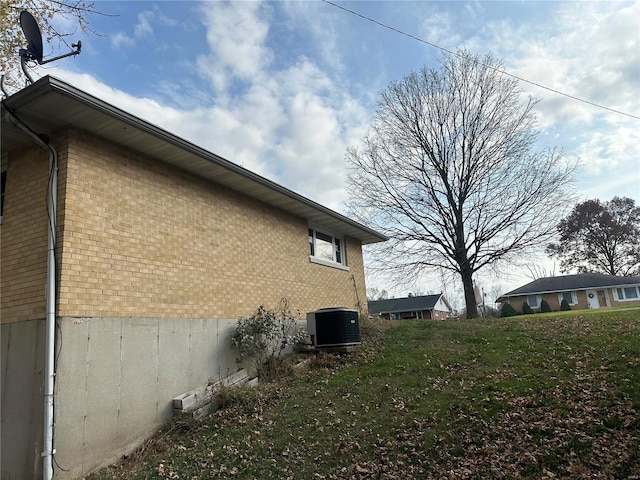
pixel 283 88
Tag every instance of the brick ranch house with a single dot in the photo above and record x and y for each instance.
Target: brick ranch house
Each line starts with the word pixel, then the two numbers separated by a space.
pixel 586 290
pixel 159 247
pixel 434 307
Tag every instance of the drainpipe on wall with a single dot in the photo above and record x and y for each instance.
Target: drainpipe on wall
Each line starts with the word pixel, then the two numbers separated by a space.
pixel 50 323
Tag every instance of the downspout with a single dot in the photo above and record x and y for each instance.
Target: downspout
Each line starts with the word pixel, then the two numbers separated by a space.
pixel 49 370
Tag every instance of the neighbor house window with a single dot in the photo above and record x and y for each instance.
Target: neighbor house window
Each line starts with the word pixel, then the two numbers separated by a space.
pixel 627 293
pixel 533 301
pixel 326 248
pixel 570 297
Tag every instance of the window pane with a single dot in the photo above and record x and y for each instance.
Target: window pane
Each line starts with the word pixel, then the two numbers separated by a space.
pixel 311 251
pixel 620 294
pixel 324 246
pixel 532 300
pixel 338 251
pixel 630 292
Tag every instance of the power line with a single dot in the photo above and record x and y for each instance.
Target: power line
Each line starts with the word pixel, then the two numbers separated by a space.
pixel 413 37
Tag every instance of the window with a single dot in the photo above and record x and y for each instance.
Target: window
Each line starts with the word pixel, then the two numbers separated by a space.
pixel 326 248
pixel 533 301
pixel 627 293
pixel 3 183
pixel 570 297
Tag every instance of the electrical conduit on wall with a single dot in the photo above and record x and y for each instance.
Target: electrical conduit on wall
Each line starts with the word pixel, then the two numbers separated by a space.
pixel 49 373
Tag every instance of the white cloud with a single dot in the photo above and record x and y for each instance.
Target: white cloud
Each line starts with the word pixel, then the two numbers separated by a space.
pixel 323 26
pixel 439 28
pixel 289 124
pixel 236 36
pixel 592 53
pixel 143 28
pixel 146 19
pixel 601 151
pixel 121 40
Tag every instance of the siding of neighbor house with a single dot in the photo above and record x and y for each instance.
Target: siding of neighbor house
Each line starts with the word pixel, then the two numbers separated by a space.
pixel 426 315
pixel 431 307
pixel 554 303
pixel 155 266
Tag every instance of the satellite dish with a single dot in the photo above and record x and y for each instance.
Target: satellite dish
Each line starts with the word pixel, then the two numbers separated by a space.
pixel 32 33
pixel 34 50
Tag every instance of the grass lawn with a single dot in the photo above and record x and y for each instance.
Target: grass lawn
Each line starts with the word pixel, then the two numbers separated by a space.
pixel 539 396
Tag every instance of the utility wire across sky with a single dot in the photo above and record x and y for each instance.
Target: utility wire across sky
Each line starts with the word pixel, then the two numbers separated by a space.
pixel 413 37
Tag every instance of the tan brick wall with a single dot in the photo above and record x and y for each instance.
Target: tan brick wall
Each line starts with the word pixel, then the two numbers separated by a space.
pixel 552 300
pixel 581 296
pixel 23 236
pixel 144 239
pixel 623 304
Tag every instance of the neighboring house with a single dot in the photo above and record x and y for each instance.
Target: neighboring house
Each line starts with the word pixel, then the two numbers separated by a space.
pixel 433 307
pixel 586 290
pixel 159 247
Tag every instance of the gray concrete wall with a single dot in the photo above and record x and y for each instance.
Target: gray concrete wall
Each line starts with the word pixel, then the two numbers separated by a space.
pixel 117 378
pixel 22 399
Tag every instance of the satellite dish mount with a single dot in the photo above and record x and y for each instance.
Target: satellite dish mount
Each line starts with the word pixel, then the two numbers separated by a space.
pixel 34 50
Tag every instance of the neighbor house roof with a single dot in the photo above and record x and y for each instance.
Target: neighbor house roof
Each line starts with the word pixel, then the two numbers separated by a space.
pixel 406 304
pixel 51 105
pixel 565 283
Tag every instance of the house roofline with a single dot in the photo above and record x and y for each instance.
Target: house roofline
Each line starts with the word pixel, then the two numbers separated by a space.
pixel 399 310
pixel 241 179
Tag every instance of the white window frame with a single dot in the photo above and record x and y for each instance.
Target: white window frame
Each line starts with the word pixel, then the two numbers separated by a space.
pixel 620 294
pixel 339 258
pixel 538 300
pixel 573 294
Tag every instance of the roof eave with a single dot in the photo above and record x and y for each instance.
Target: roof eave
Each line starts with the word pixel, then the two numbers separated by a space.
pixel 198 160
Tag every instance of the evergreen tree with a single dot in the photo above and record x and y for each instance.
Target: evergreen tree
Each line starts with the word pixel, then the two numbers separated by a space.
pixel 507 310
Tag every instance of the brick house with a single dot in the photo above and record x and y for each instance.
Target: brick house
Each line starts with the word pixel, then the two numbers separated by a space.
pixel 434 307
pixel 159 247
pixel 586 290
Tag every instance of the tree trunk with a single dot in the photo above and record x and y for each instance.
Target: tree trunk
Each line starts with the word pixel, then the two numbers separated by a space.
pixel 469 294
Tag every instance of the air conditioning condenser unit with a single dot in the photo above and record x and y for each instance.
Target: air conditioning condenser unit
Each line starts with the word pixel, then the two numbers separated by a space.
pixel 334 327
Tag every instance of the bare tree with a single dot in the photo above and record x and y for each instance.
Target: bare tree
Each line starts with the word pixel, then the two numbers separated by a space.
pixel 535 271
pixel 494 292
pixel 600 237
pixel 44 11
pixel 374 293
pixel 448 171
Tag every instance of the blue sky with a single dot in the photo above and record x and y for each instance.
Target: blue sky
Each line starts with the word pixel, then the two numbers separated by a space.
pixel 283 88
